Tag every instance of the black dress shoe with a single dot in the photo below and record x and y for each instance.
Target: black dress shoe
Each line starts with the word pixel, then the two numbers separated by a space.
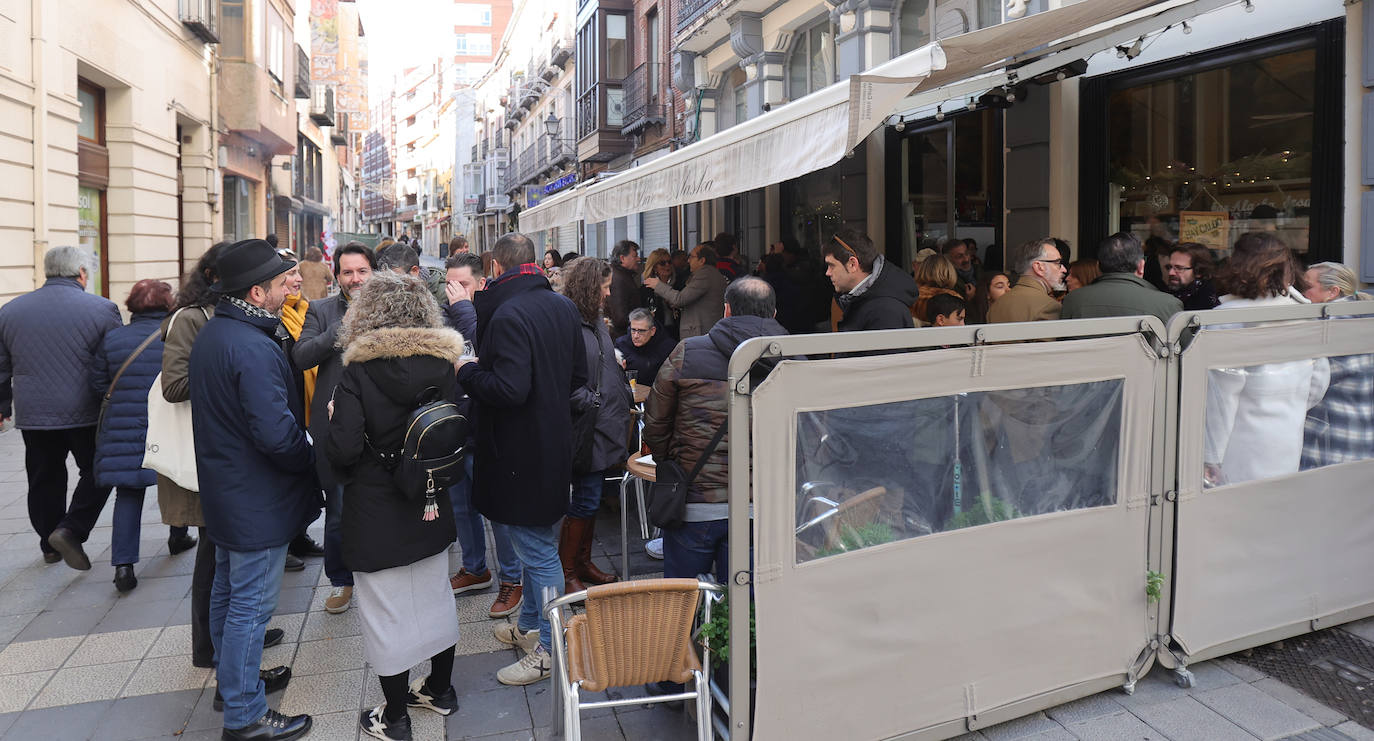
pixel 180 544
pixel 272 637
pixel 51 556
pixel 304 547
pixel 294 564
pixel 124 580
pixel 274 680
pixel 65 542
pixel 272 726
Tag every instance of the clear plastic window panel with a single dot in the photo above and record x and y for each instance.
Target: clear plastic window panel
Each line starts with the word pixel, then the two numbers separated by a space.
pixel 1275 419
pixel 875 474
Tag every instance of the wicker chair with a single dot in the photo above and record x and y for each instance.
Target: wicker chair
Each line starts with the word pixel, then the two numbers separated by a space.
pixel 632 633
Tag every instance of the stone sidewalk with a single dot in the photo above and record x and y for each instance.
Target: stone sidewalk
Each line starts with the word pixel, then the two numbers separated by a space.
pixel 79 661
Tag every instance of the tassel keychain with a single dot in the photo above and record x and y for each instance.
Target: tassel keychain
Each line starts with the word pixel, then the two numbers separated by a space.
pixel 431 503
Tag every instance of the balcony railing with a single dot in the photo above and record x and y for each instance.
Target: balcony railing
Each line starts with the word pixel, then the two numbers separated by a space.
pixel 643 98
pixel 322 105
pixel 302 83
pixel 586 112
pixel 527 164
pixel 686 11
pixel 199 17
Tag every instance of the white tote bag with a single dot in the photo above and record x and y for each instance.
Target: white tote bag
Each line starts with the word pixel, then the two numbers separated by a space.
pixel 170 446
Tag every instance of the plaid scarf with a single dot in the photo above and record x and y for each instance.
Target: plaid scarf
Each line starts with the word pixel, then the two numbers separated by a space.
pixel 250 309
pixel 528 268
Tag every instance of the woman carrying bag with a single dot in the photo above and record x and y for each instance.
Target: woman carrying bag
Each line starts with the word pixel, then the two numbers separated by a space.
pixel 129 360
pixel 396 353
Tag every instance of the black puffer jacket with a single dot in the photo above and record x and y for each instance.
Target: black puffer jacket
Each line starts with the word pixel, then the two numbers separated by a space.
pixel 886 304
pixel 385 371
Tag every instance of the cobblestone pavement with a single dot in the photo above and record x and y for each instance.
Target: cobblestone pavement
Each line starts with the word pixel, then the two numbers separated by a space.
pixel 79 661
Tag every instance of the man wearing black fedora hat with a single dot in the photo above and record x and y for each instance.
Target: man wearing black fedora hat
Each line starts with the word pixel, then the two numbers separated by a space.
pixel 257 482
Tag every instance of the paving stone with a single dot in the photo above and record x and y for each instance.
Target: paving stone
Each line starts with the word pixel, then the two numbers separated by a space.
pixel 18 690
pixel 174 640
pixel 181 615
pixel 1021 728
pixel 1093 706
pixel 339 726
pixel 78 684
pixel 1186 718
pixel 157 589
pixel 11 625
pixel 323 693
pixel 372 687
pixel 1209 675
pixel 1156 687
pixel 182 564
pixel 321 624
pixel 148 716
pixel 1119 726
pixel 6 720
pixel 539 696
pixel 1257 712
pixel 475 673
pixel 83 594
pixel 108 648
pixel 282 654
pixel 18 601
pixel 203 716
pixel 298 599
pixel 476 638
pixel 1356 731
pixel 165 674
pixel 306 577
pixel 1300 702
pixel 658 722
pixel 493 711
pixel 50 578
pixel 329 655
pixel 70 723
pixel 1362 628
pixel 510 736
pixel 134 614
pixel 32 656
pixel 290 625
pixel 76 622
pixel 1244 672
pixel 424 725
pixel 476 607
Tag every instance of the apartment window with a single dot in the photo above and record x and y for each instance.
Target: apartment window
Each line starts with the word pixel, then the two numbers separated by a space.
pixel 276 45
pixel 617 46
pixel 238 209
pixel 92 124
pixel 233 31
pixel 914 21
pixel 651 53
pixel 472 14
pixel 811 65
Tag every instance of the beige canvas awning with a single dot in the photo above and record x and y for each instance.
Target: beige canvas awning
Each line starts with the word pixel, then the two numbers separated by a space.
pixel 817 130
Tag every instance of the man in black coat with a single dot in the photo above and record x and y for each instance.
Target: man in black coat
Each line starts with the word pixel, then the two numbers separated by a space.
pixel 645 347
pixel 257 482
pixel 872 294
pixel 625 281
pixel 530 359
pixel 353 265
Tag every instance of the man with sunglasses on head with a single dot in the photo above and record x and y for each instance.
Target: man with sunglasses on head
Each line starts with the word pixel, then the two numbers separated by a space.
pixel 871 294
pixel 1042 271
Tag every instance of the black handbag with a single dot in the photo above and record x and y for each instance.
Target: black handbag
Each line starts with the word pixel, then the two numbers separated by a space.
pixel 668 494
pixel 584 423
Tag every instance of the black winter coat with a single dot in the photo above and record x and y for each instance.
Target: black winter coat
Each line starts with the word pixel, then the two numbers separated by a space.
pixel 646 360
pixel 625 297
pixel 315 347
pixel 530 358
pixel 120 441
pixel 885 305
pixel 258 487
pixel 384 372
pixel 611 431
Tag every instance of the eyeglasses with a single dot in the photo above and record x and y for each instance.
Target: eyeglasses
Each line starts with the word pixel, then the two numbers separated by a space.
pixel 1061 262
pixel 1178 268
pixel 634 330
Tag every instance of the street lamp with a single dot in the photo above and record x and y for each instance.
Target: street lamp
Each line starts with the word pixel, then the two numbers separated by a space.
pixel 552 126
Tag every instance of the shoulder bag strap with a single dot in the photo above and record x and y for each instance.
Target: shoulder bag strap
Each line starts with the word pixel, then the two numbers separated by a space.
pixel 600 360
pixel 710 448
pixel 137 351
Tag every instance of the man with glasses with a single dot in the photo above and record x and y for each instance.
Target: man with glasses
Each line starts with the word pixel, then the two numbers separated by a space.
pixel 871 293
pixel 644 347
pixel 1042 270
pixel 1121 290
pixel 1188 275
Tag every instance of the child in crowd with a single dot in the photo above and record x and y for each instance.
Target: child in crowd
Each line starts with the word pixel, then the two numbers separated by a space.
pixel 945 310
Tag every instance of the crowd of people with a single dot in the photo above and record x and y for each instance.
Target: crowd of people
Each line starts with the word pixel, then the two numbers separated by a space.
pixel 302 383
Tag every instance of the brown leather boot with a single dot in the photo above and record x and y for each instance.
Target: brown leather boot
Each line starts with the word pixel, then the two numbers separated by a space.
pixel 587 570
pixel 569 537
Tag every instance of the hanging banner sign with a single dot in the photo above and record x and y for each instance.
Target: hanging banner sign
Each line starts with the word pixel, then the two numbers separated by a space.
pixel 1210 228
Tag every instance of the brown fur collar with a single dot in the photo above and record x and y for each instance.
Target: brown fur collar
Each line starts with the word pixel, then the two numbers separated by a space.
pixel 405 342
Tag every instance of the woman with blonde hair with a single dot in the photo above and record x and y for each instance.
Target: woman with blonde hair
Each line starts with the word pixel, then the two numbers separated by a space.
pixel 1338 429
pixel 659 264
pixel 934 275
pixel 396 352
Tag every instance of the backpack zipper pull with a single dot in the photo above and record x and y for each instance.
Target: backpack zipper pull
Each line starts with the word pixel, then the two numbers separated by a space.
pixel 431 502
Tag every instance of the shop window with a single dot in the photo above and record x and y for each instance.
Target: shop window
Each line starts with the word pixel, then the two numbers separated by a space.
pixel 1203 150
pixel 913 25
pixel 951 182
pixel 233 29
pixel 93 176
pixel 811 65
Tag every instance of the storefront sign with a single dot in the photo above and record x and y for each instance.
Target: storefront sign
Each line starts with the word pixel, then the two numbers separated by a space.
pixel 560 184
pixel 533 195
pixel 88 231
pixel 1210 228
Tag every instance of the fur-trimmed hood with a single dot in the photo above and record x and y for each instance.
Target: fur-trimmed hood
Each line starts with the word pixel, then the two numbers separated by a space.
pixel 405 342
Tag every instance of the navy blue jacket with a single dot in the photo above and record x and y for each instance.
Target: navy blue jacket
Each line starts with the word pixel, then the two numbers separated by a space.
pixel 119 441
pixel 257 469
pixel 47 341
pixel 530 359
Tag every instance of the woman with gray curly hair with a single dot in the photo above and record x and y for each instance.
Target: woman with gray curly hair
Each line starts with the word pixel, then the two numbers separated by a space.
pixel 396 354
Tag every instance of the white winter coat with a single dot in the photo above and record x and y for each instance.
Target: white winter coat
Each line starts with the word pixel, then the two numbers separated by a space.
pixel 1255 414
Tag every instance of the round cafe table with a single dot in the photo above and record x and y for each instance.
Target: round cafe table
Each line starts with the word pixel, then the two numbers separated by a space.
pixel 640 472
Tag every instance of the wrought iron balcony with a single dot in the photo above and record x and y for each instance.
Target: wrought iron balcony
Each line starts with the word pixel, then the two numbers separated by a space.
pixel 302 83
pixel 587 112
pixel 644 98
pixel 687 11
pixel 199 17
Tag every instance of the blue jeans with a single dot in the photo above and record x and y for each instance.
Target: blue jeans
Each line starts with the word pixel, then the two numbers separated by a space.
pixel 339 575
pixel 245 594
pixel 128 525
pixel 694 547
pixel 586 494
pixel 472 538
pixel 537 549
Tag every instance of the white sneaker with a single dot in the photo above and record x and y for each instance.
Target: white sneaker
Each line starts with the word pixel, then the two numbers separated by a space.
pixel 536 665
pixel 509 633
pixel 654 548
